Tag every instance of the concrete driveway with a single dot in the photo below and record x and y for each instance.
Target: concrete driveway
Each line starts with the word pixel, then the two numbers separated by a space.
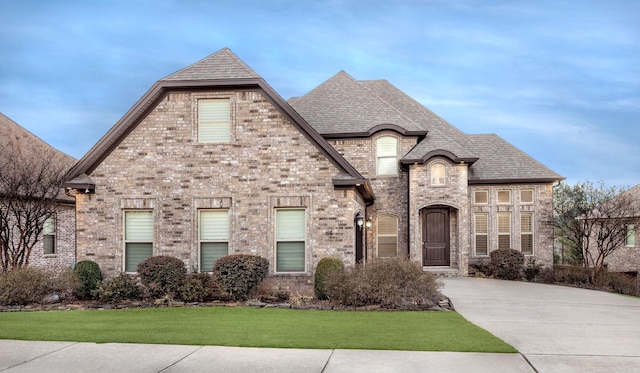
pixel 556 328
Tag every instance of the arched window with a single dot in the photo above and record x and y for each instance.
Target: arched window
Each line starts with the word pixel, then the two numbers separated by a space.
pixel 387 156
pixel 438 174
pixel 387 235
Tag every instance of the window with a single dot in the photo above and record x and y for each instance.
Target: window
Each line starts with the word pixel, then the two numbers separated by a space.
pixel 631 235
pixel 481 197
pixel 138 238
pixel 438 174
pixel 387 153
pixel 481 234
pixel 49 235
pixel 387 236
pixel 526 233
pixel 214 237
pixel 504 231
pixel 526 196
pixel 504 196
pixel 290 240
pixel 214 120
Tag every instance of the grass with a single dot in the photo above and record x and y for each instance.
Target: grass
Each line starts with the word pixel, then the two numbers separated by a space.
pixel 257 327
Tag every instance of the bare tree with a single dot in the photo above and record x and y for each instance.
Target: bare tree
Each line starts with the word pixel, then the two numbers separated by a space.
pixel 595 218
pixel 30 187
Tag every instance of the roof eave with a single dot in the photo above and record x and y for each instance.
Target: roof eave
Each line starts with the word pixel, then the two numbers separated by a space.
pixel 478 181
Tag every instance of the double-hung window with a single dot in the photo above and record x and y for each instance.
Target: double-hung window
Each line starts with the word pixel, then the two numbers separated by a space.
pixel 49 235
pixel 438 171
pixel 631 236
pixel 214 123
pixel 387 156
pixel 214 237
pixel 138 238
pixel 481 233
pixel 526 233
pixel 504 231
pixel 387 236
pixel 290 240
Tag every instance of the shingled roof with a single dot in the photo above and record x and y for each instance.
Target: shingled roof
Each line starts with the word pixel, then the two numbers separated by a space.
pixel 222 69
pixel 345 107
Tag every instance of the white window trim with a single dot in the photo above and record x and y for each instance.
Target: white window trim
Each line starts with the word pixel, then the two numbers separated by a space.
pixel 630 232
pixel 475 233
pixel 394 157
pixel 201 241
pixel 51 220
pixel 486 192
pixel 444 176
pixel 503 233
pixel 498 196
pixel 276 240
pixel 124 236
pixel 533 197
pixel 378 235
pixel 531 233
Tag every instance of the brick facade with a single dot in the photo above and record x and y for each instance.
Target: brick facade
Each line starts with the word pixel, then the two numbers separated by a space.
pixel 268 164
pixel 64 255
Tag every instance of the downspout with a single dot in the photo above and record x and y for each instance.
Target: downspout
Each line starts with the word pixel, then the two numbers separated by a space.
pixel 409 212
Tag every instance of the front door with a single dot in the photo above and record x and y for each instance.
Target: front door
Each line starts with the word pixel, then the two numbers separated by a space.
pixel 435 234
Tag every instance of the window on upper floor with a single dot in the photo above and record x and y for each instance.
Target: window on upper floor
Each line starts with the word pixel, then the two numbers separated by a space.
pixel 290 240
pixel 387 236
pixel 504 196
pixel 49 235
pixel 438 174
pixel 214 123
pixel 481 197
pixel 387 156
pixel 138 238
pixel 526 196
pixel 213 236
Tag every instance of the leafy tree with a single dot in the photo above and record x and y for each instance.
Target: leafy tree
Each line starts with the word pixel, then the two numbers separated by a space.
pixel 594 219
pixel 31 178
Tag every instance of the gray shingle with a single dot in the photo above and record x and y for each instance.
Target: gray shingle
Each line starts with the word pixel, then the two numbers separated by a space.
pixel 223 64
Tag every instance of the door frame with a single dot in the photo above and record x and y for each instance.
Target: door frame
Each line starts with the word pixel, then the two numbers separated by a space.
pixel 424 229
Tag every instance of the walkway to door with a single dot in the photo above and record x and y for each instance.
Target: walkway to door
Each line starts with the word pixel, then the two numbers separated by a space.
pixel 556 328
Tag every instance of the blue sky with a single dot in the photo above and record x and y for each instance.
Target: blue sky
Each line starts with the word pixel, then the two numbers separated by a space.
pixel 558 79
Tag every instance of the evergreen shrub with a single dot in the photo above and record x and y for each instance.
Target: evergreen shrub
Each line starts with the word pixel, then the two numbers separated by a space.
pixel 325 266
pixel 87 279
pixel 240 274
pixel 162 275
pixel 507 264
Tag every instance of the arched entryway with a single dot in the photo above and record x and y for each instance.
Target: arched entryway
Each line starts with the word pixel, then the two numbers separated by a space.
pixel 436 238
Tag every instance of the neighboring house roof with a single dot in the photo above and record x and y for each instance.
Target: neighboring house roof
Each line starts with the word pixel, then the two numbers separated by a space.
pixel 345 107
pixel 222 69
pixel 16 141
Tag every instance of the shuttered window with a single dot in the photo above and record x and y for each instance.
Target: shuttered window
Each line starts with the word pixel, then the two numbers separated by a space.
pixel 526 233
pixel 481 228
pixel 214 120
pixel 387 236
pixel 214 237
pixel 49 235
pixel 138 238
pixel 438 174
pixel 387 156
pixel 504 231
pixel 290 240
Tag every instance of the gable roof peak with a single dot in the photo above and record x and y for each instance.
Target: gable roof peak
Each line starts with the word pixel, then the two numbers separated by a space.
pixel 223 64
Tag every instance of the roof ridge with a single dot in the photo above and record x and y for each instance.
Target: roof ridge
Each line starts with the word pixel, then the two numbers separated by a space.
pixel 223 64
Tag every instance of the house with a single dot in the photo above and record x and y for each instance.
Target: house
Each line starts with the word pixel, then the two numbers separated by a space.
pixel 212 161
pixel 54 245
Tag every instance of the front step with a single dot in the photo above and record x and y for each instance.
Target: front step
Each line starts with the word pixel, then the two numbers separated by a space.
pixel 442 271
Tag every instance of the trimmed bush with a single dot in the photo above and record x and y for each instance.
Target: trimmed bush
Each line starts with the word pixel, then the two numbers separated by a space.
pixel 196 288
pixel 618 282
pixel 118 288
pixel 389 283
pixel 325 266
pixel 30 285
pixel 162 275
pixel 88 277
pixel 507 264
pixel 532 270
pixel 240 274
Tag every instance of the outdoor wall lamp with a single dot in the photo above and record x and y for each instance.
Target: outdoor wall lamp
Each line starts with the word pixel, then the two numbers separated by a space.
pixel 368 223
pixel 359 221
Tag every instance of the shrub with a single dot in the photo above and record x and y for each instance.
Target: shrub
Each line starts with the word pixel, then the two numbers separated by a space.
pixel 118 288
pixel 162 275
pixel 87 278
pixel 572 275
pixel 532 270
pixel 196 287
pixel 507 264
pixel 239 275
pixel 618 282
pixel 390 283
pixel 325 266
pixel 25 285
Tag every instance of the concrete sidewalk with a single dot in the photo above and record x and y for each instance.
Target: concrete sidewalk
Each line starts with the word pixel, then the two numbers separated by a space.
pixel 557 328
pixel 70 357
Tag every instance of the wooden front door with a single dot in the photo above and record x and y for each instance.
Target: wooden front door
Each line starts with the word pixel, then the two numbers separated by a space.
pixel 435 235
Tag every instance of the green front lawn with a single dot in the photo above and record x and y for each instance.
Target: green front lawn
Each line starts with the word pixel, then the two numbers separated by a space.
pixel 257 327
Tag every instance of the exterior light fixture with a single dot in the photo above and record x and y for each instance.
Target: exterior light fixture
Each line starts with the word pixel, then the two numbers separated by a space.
pixel 359 221
pixel 368 223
